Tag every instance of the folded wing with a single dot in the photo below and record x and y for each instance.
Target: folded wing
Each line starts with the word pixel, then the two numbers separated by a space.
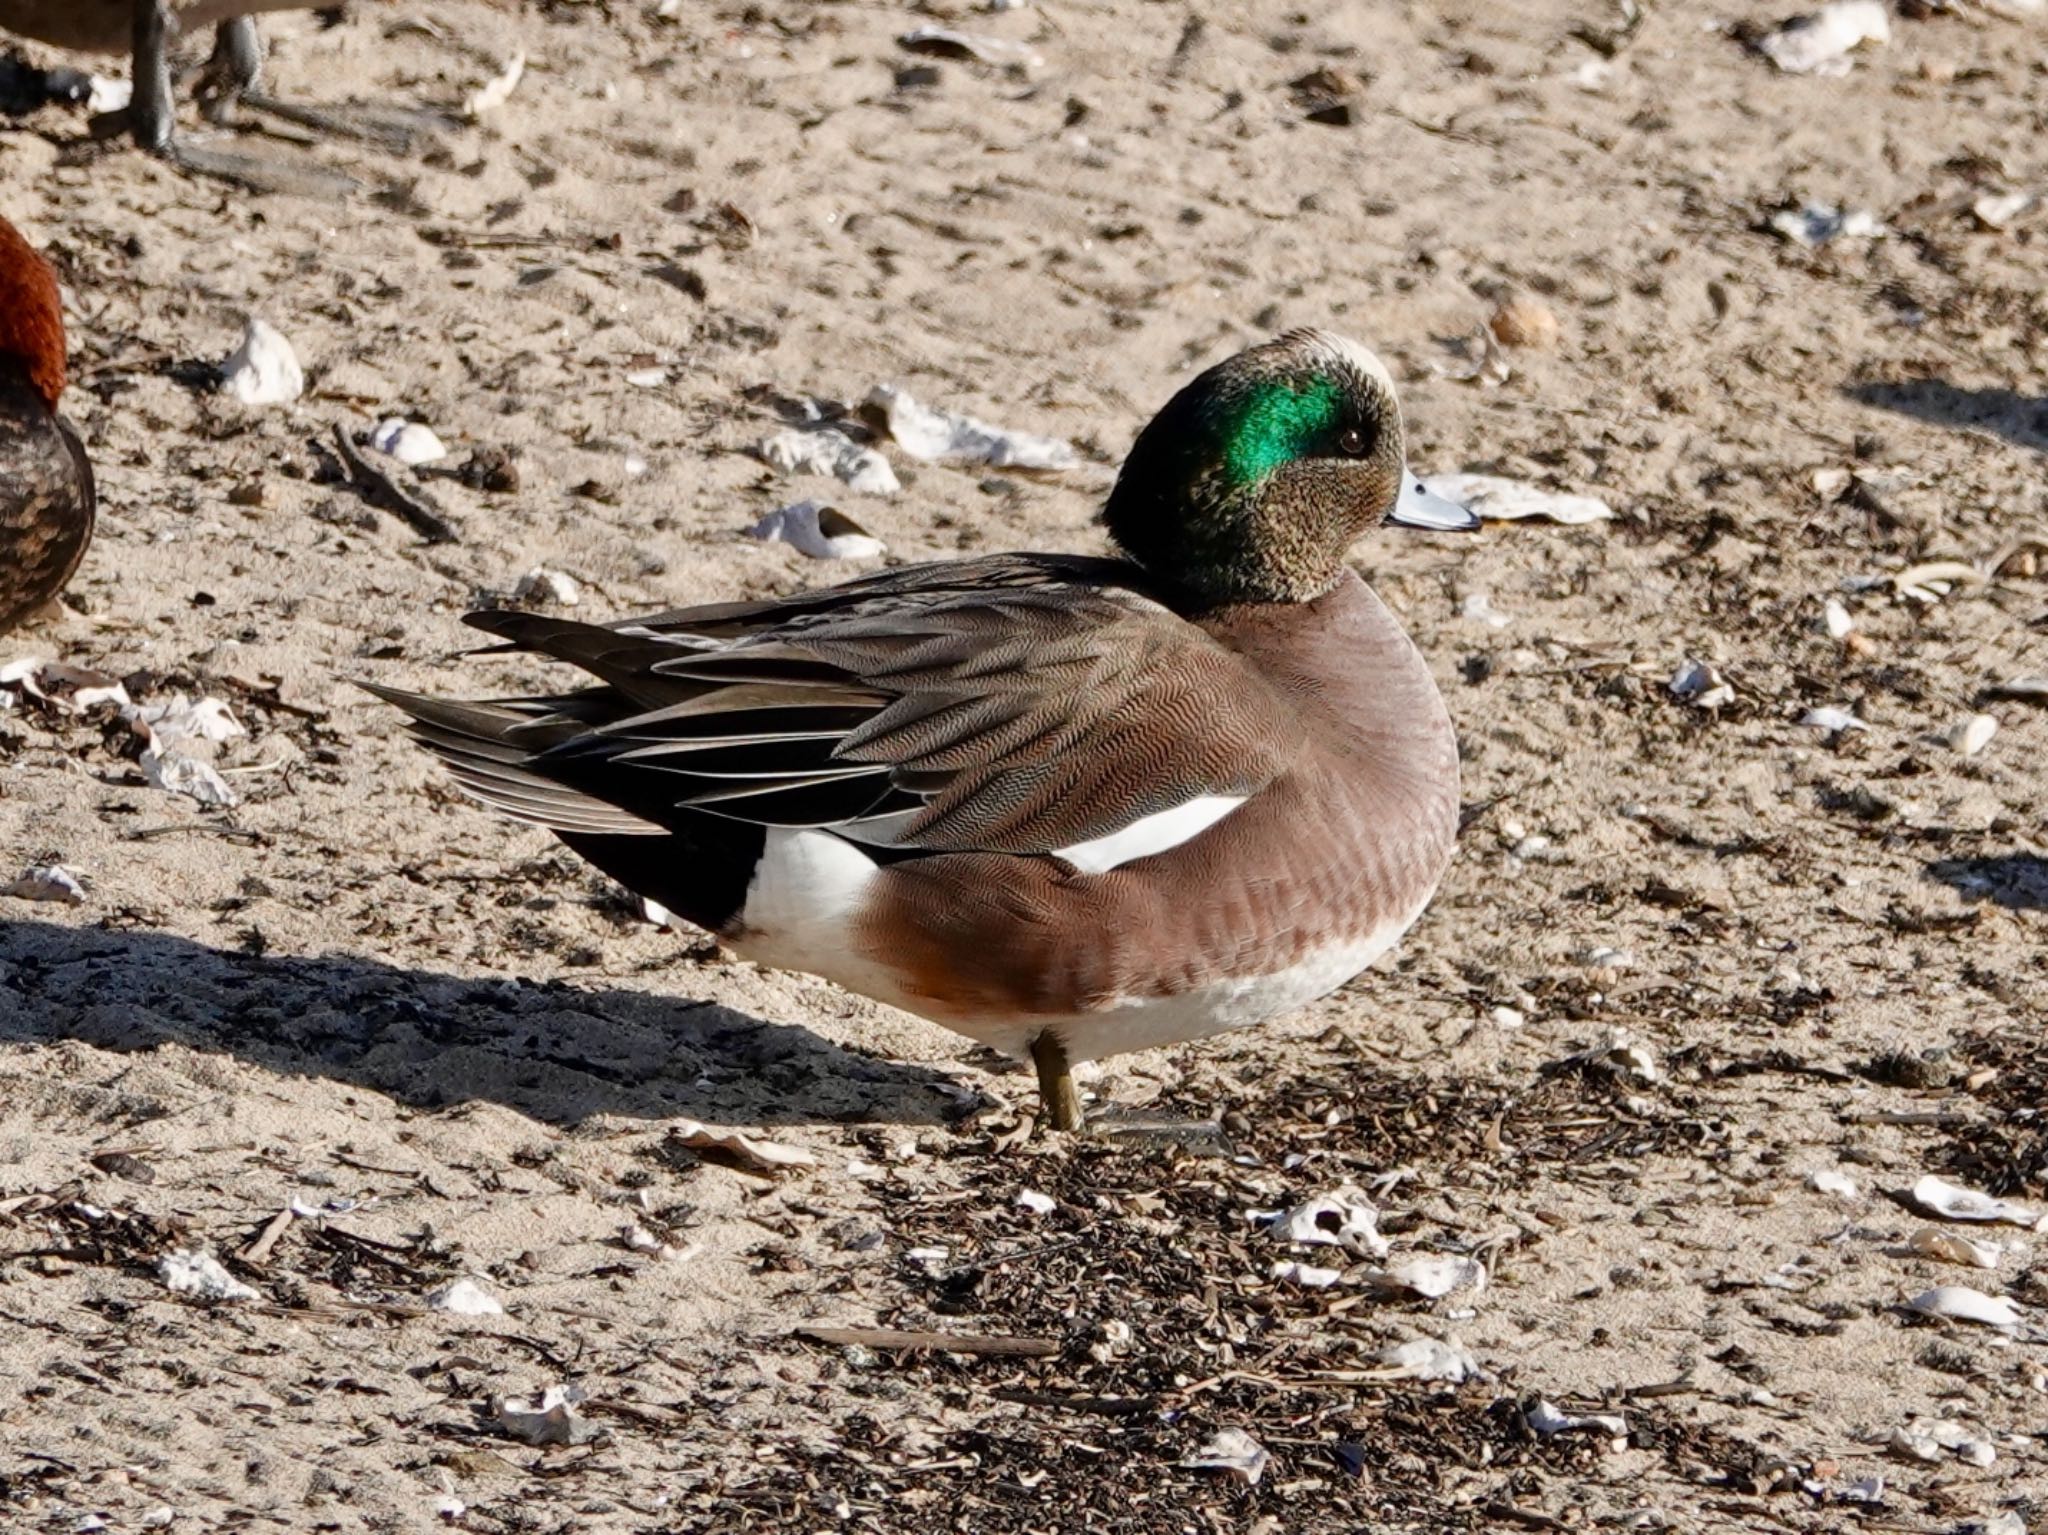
pixel 1020 704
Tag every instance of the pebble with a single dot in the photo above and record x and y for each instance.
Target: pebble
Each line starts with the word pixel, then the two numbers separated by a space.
pixel 1525 322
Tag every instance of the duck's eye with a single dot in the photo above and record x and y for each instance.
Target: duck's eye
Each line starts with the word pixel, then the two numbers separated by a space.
pixel 1352 443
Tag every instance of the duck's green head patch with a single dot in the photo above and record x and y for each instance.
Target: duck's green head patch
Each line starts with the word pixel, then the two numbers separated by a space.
pixel 1279 424
pixel 1256 478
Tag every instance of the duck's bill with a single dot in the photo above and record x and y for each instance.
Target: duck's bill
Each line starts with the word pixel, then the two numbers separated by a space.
pixel 1420 507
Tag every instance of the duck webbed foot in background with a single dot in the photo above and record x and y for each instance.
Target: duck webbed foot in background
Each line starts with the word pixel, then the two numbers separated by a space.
pixel 227 87
pixel 231 81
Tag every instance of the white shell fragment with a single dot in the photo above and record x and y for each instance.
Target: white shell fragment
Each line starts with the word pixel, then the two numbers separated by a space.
pixel 1820 43
pixel 1925 1440
pixel 1954 1247
pixel 639 1239
pixel 1960 1303
pixel 1620 1053
pixel 761 1155
pixel 1483 363
pixel 175 773
pixel 410 442
pixel 1972 735
pixel 1999 211
pixel 550 1418
pixel 1952 1202
pixel 264 369
pixel 1833 1181
pixel 1430 1278
pixel 1818 224
pixel 179 720
pixel 549 586
pixel 464 1297
pixel 496 91
pixel 47 682
pixel 1342 1218
pixel 1932 580
pixel 1234 1452
pixel 1308 1275
pixel 48 882
pixel 948 43
pixel 1431 1359
pixel 948 437
pixel 200 1275
pixel 831 452
pixel 1478 607
pixel 823 532
pixel 1546 1418
pixel 1701 685
pixel 169 728
pixel 107 93
pixel 1498 499
pixel 1832 720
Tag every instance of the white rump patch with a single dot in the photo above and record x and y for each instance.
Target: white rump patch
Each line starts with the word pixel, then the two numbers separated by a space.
pixel 802 899
pixel 1150 834
pixel 808 893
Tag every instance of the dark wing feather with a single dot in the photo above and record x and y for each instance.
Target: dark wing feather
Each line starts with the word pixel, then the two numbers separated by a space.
pixel 1019 704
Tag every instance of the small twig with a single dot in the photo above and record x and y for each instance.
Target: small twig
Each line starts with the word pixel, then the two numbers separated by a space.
pixel 379 489
pixel 1679 1387
pixel 1528 1518
pixel 258 1251
pixel 1104 1406
pixel 931 1342
pixel 1937 1118
pixel 239 834
pixel 265 696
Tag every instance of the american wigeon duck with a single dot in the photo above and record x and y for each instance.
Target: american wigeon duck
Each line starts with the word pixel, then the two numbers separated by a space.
pixel 47 501
pixel 1066 806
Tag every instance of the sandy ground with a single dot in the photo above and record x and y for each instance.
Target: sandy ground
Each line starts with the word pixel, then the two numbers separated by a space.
pixel 457 1052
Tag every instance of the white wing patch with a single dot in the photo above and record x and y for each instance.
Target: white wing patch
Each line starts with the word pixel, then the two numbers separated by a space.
pixel 1150 834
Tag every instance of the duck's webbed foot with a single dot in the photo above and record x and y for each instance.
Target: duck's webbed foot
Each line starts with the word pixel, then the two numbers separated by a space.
pixel 151 118
pixel 232 82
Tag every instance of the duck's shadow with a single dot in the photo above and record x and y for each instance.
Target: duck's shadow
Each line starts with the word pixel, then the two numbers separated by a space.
pixel 554 1051
pixel 2016 881
pixel 2011 415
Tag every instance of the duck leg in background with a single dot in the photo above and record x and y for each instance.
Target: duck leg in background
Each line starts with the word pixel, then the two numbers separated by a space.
pixel 235 72
pixel 152 119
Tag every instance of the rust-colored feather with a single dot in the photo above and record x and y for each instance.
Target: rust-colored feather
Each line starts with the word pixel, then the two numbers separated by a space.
pixel 31 314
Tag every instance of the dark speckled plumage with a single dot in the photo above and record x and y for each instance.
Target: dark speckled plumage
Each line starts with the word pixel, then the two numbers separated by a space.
pixel 47 500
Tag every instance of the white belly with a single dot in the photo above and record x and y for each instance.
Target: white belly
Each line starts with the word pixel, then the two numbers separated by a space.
pixel 1144 1023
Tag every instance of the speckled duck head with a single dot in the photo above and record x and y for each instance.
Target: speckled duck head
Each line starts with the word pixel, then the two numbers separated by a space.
pixel 1258 477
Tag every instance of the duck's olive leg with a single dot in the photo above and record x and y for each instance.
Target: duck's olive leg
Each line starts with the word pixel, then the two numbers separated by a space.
pixel 1056 1082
